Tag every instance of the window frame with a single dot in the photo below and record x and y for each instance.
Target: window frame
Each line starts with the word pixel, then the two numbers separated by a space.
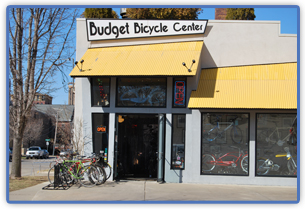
pixel 116 93
pixel 172 141
pixel 93 128
pixel 248 144
pixel 92 94
pixel 256 146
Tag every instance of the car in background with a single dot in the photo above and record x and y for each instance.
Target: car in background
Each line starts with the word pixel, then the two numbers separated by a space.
pixel 10 155
pixel 34 152
pixel 65 152
pixel 45 154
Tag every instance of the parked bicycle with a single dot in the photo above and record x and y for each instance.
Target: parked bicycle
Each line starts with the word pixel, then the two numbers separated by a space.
pixel 94 161
pixel 72 171
pixel 106 166
pixel 217 133
pixel 230 160
pixel 136 96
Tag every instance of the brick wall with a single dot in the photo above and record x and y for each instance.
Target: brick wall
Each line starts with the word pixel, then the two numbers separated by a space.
pixel 220 13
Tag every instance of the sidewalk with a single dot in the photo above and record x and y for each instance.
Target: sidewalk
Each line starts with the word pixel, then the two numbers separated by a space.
pixel 153 191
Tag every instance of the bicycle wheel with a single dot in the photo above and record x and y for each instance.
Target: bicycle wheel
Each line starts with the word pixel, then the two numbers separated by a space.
pixel 261 167
pixel 236 135
pixel 244 164
pixel 102 174
pixel 208 163
pixel 64 175
pixel 51 175
pixel 107 169
pixel 88 176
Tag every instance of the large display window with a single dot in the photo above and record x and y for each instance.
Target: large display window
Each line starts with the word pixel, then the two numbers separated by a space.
pixel 224 143
pixel 276 145
pixel 178 141
pixel 141 92
pixel 100 91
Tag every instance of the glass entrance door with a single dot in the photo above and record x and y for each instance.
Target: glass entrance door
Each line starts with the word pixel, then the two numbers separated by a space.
pixel 137 146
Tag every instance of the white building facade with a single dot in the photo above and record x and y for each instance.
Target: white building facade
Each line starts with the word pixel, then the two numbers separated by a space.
pixel 198 101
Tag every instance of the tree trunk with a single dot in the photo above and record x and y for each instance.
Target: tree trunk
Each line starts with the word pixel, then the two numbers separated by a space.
pixel 20 119
pixel 16 163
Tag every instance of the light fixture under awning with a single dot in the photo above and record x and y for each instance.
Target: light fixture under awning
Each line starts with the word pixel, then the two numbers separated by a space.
pixel 271 86
pixel 141 60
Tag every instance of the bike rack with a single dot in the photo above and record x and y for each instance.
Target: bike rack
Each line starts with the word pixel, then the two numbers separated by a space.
pixel 58 184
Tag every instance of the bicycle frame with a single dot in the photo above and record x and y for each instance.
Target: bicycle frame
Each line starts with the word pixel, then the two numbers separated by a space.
pixel 221 162
pixel 221 132
pixel 289 158
pixel 279 141
pixel 77 163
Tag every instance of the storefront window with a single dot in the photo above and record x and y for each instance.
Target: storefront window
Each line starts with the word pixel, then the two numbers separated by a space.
pixel 225 144
pixel 141 92
pixel 276 144
pixel 100 89
pixel 179 96
pixel 178 141
pixel 100 128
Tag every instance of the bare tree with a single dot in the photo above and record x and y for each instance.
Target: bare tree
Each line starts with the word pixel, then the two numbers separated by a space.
pixel 30 135
pixel 39 41
pixel 79 139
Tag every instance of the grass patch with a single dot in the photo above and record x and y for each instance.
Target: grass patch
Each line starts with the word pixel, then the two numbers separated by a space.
pixel 26 181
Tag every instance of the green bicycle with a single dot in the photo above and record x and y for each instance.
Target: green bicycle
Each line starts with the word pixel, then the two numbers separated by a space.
pixel 72 171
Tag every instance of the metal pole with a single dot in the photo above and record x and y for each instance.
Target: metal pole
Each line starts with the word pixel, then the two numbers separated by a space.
pixel 73 85
pixel 55 133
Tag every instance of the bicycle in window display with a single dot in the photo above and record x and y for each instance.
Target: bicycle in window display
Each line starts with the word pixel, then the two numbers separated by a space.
pixel 273 136
pixel 291 163
pixel 230 162
pixel 265 165
pixel 137 96
pixel 216 133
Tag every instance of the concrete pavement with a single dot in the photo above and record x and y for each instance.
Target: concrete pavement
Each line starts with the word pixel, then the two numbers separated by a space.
pixel 153 191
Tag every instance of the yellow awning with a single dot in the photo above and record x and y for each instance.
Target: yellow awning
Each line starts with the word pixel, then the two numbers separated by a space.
pixel 252 87
pixel 141 60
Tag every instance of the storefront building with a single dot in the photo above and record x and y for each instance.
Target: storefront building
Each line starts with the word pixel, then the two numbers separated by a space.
pixel 189 101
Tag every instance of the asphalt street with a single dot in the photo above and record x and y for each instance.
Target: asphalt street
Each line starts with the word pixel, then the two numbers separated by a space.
pixel 34 167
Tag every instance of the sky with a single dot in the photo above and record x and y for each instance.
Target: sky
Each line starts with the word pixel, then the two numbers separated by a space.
pixel 287 17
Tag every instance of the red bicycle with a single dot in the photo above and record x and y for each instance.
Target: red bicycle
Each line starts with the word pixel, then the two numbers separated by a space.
pixel 231 160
